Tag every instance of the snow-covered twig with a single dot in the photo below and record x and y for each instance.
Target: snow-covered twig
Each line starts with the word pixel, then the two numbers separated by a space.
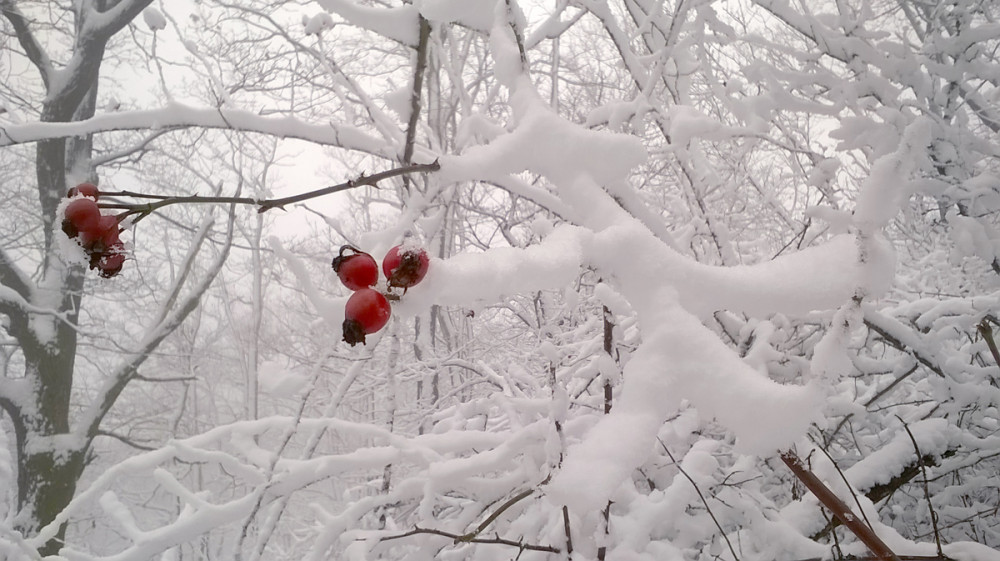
pixel 176 115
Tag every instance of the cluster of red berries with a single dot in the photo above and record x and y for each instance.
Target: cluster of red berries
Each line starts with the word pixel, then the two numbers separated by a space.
pixel 96 233
pixel 367 309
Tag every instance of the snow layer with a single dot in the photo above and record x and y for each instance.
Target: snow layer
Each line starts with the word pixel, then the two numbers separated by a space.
pixel 398 24
pixel 477 14
pixel 545 143
pixel 679 358
pixel 174 114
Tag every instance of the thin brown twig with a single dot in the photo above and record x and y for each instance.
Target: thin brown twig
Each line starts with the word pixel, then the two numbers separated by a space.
pixel 418 81
pixel 567 530
pixel 609 343
pixel 927 491
pixel 496 513
pixel 461 539
pixel 263 205
pixel 703 500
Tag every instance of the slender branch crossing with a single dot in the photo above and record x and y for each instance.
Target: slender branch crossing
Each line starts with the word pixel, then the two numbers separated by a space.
pixel 263 205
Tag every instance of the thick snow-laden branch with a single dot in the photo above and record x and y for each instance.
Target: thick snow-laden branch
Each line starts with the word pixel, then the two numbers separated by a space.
pixel 178 115
pixel 104 24
pixel 11 302
pixel 885 190
pixel 398 23
pixel 679 357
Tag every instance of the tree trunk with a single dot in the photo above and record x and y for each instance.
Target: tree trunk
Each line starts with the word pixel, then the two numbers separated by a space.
pixel 50 458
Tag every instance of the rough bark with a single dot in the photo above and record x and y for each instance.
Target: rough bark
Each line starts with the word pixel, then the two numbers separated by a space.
pixel 50 458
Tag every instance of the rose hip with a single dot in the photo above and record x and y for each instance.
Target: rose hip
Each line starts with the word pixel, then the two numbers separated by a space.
pixel 405 267
pixel 366 312
pixel 357 270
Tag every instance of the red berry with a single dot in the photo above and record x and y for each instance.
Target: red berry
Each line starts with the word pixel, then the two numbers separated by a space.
pixel 85 189
pixel 367 311
pixel 81 215
pixel 405 267
pixel 110 263
pixel 101 236
pixel 356 271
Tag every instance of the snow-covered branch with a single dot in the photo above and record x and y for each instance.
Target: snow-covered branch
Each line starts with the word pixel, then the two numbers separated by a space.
pixel 13 278
pixel 104 24
pixel 397 23
pixel 15 308
pixel 177 115
pixel 29 42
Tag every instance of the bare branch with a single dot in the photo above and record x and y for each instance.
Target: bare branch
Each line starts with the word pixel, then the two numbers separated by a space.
pixel 496 513
pixel 127 441
pixel 882 490
pixel 263 205
pixel 91 421
pixel 142 147
pixel 459 539
pixel 32 48
pixel 165 379
pixel 418 81
pixel 927 490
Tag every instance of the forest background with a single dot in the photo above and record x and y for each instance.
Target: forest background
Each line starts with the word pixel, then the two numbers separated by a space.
pixel 673 242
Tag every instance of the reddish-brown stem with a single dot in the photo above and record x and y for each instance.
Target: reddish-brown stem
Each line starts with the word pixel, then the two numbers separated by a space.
pixel 838 507
pixel 987 332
